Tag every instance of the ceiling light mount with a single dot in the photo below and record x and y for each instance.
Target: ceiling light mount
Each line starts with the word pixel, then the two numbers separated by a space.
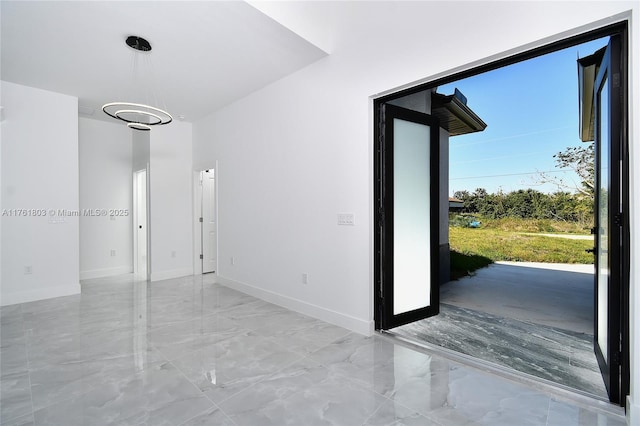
pixel 138 43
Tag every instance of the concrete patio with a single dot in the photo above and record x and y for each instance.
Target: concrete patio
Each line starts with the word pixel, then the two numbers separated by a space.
pixel 555 295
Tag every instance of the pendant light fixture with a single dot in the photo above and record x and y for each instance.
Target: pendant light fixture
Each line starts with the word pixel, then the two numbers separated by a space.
pixel 138 116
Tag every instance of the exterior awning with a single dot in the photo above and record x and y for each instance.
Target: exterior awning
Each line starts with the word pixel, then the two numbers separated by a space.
pixel 587 72
pixel 454 114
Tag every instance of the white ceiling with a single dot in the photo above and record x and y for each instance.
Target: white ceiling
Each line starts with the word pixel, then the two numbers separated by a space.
pixel 206 54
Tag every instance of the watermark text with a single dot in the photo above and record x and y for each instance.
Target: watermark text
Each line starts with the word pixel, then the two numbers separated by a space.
pixel 64 212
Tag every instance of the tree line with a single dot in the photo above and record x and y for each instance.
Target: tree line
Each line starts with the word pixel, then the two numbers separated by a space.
pixel 572 203
pixel 528 204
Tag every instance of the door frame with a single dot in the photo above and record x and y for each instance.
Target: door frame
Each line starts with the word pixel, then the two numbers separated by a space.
pixel 611 362
pixel 197 214
pixel 606 30
pixel 204 175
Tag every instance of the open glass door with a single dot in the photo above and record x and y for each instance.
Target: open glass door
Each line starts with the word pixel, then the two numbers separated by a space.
pixel 608 219
pixel 407 237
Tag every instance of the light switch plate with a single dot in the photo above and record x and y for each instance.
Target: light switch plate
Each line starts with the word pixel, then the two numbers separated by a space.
pixel 347 219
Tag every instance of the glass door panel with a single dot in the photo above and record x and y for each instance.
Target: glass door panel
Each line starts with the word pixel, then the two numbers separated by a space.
pixel 411 213
pixel 602 243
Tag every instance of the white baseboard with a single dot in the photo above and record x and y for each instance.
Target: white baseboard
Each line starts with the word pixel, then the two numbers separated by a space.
pixel 39 294
pixel 171 273
pixel 351 323
pixel 106 272
pixel 633 411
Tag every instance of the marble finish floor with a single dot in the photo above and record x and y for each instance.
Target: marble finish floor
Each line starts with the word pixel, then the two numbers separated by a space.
pixel 191 352
pixel 561 356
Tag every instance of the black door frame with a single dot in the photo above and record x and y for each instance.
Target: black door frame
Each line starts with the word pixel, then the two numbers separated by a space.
pixel 609 73
pixel 620 29
pixel 385 205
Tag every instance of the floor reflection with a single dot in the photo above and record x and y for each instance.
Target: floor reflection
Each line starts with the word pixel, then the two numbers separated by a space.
pixel 140 345
pixel 533 318
pixel 188 351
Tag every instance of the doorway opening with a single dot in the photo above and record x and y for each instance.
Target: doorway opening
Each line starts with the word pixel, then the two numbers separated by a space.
pixel 140 226
pixel 465 327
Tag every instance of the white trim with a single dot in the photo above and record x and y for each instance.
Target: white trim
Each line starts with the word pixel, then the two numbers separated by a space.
pixel 39 294
pixel 351 323
pixel 171 273
pixel 105 272
pixel 134 213
pixel 197 232
pixel 633 411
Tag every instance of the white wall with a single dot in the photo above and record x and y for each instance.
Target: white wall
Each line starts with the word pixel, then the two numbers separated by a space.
pixel 294 154
pixel 140 150
pixel 171 197
pixel 39 171
pixel 290 158
pixel 1 187
pixel 105 151
pixel 299 151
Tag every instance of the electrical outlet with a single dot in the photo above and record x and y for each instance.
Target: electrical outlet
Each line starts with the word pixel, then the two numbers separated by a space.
pixel 305 278
pixel 28 270
pixel 233 261
pixel 113 253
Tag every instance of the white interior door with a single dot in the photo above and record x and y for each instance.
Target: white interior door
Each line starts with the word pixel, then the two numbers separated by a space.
pixel 209 225
pixel 140 223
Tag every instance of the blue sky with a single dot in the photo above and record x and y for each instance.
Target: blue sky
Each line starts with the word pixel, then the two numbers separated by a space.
pixel 531 111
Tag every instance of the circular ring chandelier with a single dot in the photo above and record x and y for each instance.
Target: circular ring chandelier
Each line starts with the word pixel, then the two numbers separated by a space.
pixel 137 116
pixel 141 115
pixel 138 126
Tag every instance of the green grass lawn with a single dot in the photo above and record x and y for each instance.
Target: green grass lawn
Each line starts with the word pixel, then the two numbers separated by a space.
pixel 505 239
pixel 545 226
